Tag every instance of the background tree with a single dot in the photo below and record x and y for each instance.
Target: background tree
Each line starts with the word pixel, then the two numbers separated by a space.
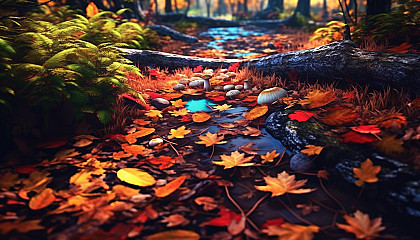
pixel 276 5
pixel 303 7
pixel 374 7
pixel 168 6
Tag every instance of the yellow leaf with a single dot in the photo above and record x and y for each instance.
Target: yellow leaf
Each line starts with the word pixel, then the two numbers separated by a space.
pixel 312 150
pixel 288 231
pixel 170 187
pixel 366 173
pixel 317 98
pixel 210 139
pixel 42 199
pixel 361 225
pixel 91 10
pixel 284 183
pixel 200 117
pixel 179 132
pixel 178 103
pixel 257 112
pixel 223 107
pixel 177 234
pixel 235 159
pixel 154 113
pixel 136 177
pixel 269 156
pixel 179 112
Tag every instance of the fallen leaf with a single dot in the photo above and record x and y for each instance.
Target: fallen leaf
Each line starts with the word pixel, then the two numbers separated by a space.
pixel 312 150
pixel 175 220
pixel 173 95
pixel 141 121
pixel 389 145
pixel 185 119
pixel 120 154
pixel 396 120
pixel 169 188
pixel 273 222
pixel 177 234
pixel 322 174
pixel 123 192
pixel 284 183
pixel 83 142
pixel 226 216
pixel 208 203
pixel 235 159
pixel 179 132
pixel 136 177
pixel 199 68
pixel 248 148
pixel 42 199
pixel 217 98
pixel 236 227
pixel 133 149
pixel 290 231
pixel 300 116
pixel 164 162
pixel 360 225
pixel 250 131
pixel 317 98
pixel 227 125
pixel 373 129
pixel 178 103
pixel 340 116
pixel 154 113
pixel 200 117
pixel 366 173
pixel 141 132
pixel 179 112
pixel 210 139
pixel 21 226
pixel 269 156
pixel 223 107
pixel 355 137
pixel 256 112
pixel 91 10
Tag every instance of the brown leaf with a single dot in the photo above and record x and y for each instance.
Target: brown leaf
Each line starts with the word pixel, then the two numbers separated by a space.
pixel 248 148
pixel 389 145
pixel 177 234
pixel 317 98
pixel 235 159
pixel 236 227
pixel 175 220
pixel 42 199
pixel 253 132
pixel 289 231
pixel 256 112
pixel 361 225
pixel 227 125
pixel 366 173
pixel 322 174
pixel 284 183
pixel 340 116
pixel 208 203
pixel 210 139
pixel 200 117
pixel 20 226
pixel 169 188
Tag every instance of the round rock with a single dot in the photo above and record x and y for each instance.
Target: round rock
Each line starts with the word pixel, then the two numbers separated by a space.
pixel 155 141
pixel 301 162
pixel 184 81
pixel 197 83
pixel 239 87
pixel 160 103
pixel 179 87
pixel 228 87
pixel 232 93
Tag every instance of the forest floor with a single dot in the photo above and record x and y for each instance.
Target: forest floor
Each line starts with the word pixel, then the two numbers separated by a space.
pixel 214 173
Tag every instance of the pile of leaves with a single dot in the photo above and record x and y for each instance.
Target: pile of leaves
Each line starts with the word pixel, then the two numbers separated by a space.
pixel 169 176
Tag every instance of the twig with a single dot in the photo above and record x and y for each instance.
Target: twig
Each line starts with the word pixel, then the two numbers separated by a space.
pixel 361 191
pixel 172 146
pixel 212 152
pixel 256 205
pixel 331 196
pixel 281 157
pixel 293 213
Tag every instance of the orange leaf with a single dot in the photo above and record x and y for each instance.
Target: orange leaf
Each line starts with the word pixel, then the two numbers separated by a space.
pixel 208 203
pixel 210 139
pixel 164 162
pixel 312 150
pixel 170 187
pixel 366 129
pixel 178 103
pixel 269 156
pixel 389 145
pixel 141 132
pixel 396 120
pixel 133 149
pixel 248 148
pixel 91 10
pixel 177 234
pixel 179 112
pixel 200 117
pixel 284 183
pixel 235 159
pixel 366 173
pixel 317 98
pixel 120 154
pixel 141 121
pixel 42 199
pixel 154 113
pixel 289 231
pixel 257 112
pixel 179 132
pixel 250 131
pixel 361 225
pixel 340 116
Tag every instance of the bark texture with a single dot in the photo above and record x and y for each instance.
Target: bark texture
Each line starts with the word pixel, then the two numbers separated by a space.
pixel 340 61
pixel 166 31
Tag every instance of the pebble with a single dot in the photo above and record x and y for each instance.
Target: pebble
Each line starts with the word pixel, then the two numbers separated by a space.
pixel 197 83
pixel 228 87
pixel 155 141
pixel 232 93
pixel 160 103
pixel 179 87
pixel 301 162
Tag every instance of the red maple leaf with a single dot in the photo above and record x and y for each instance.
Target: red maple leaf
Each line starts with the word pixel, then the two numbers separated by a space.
pixel 300 116
pixel 355 137
pixel 273 222
pixel 366 129
pixel 218 98
pixel 154 95
pixel 226 217
pixel 153 73
pixel 185 119
pixel 199 68
pixel 233 67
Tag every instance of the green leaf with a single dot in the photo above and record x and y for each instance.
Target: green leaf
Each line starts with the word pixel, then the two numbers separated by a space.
pixel 104 116
pixel 6 49
pixel 123 10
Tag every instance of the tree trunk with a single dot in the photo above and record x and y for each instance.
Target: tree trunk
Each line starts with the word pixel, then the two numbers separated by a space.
pixel 166 31
pixel 208 2
pixel 276 4
pixel 168 6
pixel 341 61
pixel 303 7
pixel 374 7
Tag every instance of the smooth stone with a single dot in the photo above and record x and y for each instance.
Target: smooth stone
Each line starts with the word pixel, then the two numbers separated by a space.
pixel 155 141
pixel 270 95
pixel 232 94
pixel 197 83
pixel 179 87
pixel 301 162
pixel 239 87
pixel 228 87
pixel 184 81
pixel 271 45
pixel 160 103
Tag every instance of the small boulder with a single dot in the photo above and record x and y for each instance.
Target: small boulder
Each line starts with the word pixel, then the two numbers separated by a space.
pixel 228 87
pixel 232 93
pixel 179 87
pixel 160 103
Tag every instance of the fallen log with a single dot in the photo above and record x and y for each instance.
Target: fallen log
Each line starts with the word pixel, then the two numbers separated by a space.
pixel 166 31
pixel 341 61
